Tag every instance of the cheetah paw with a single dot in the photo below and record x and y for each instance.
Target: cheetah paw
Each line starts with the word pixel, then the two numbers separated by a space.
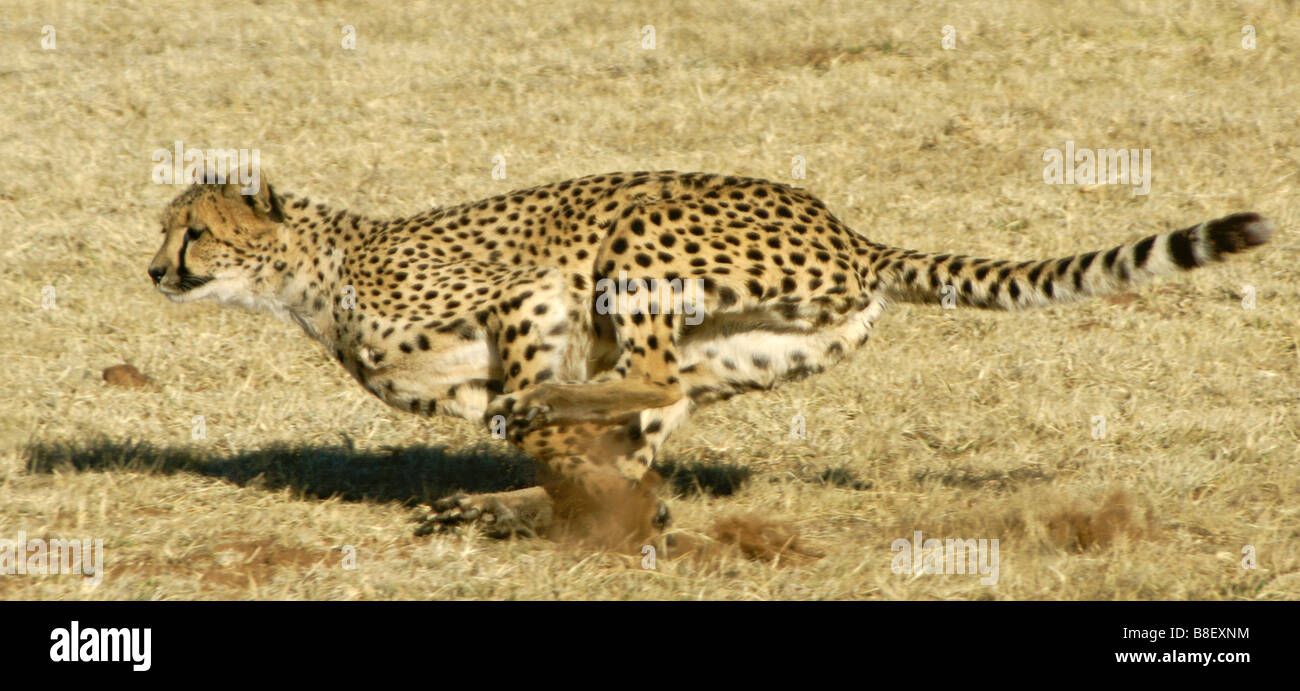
pixel 493 517
pixel 523 413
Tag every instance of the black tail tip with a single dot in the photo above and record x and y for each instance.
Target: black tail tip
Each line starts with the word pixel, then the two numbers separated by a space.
pixel 1239 231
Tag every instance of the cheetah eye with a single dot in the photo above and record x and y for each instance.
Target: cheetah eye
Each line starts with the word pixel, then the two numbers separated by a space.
pixel 194 233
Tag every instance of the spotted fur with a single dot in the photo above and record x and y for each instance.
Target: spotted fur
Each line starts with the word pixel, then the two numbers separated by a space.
pixel 491 308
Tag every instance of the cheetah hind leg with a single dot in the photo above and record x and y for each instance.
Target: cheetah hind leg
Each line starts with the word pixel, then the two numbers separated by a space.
pixel 645 376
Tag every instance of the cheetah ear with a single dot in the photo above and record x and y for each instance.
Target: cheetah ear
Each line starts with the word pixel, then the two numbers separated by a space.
pixel 264 202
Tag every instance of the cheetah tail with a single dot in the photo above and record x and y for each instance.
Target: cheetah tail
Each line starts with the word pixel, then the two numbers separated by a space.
pixel 916 277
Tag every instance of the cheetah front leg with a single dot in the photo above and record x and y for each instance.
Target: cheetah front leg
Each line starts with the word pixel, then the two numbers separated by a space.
pixel 529 323
pixel 645 377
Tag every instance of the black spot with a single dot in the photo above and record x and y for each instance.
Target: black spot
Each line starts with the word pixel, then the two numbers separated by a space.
pixel 727 297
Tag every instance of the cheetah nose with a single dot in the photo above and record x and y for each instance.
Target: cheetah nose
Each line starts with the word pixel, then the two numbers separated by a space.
pixel 156 273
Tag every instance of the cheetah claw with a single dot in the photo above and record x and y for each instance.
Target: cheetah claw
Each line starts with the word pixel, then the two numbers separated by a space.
pixel 521 419
pixel 532 419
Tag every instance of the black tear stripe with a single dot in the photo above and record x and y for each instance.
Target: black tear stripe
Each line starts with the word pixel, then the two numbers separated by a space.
pixel 185 244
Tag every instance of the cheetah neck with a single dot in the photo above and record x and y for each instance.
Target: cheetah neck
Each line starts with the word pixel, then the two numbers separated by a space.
pixel 307 277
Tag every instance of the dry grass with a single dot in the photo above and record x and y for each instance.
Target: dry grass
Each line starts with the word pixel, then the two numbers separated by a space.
pixel 958 424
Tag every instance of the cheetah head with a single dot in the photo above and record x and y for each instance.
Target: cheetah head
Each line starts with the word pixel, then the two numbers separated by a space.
pixel 215 241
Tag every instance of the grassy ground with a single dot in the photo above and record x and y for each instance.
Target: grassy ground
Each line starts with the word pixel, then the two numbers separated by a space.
pixel 957 424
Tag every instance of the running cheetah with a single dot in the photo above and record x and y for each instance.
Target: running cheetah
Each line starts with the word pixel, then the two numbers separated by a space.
pixel 589 317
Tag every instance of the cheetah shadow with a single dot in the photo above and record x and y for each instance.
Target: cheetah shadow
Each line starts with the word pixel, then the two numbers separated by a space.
pixel 408 475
